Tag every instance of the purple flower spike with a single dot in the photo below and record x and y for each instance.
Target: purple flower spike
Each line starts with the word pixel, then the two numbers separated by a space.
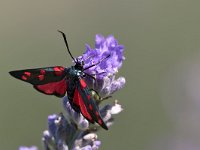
pixel 28 148
pixel 109 53
pixel 104 47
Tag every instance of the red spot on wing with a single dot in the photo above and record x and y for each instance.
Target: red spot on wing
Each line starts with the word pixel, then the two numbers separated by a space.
pixel 100 121
pixel 79 101
pixel 54 88
pixel 99 118
pixel 97 114
pixel 90 107
pixel 58 70
pixel 42 71
pixel 27 73
pixel 24 77
pixel 83 84
pixel 41 77
pixel 88 97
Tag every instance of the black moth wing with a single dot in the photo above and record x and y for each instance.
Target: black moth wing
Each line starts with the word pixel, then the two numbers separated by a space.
pixel 40 76
pixel 49 80
pixel 90 105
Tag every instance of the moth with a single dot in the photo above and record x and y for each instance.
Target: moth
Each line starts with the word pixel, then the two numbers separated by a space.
pixel 58 81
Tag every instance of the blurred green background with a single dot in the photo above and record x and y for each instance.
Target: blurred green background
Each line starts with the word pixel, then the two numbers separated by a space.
pixel 157 34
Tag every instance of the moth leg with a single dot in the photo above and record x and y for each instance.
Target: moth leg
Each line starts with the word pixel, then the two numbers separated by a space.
pixel 104 98
pixel 91 76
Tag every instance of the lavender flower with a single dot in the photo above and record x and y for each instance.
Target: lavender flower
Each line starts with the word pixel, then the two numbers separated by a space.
pixel 103 48
pixel 74 132
pixel 70 130
pixel 104 72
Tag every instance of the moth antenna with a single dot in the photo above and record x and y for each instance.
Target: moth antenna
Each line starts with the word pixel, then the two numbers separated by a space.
pixel 97 63
pixel 89 57
pixel 90 76
pixel 65 40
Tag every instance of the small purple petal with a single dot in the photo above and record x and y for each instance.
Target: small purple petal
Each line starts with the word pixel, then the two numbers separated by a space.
pixel 61 145
pixel 51 124
pixel 83 124
pixel 28 148
pixel 47 136
pixel 99 40
pixel 110 123
pixel 47 140
pixel 97 143
pixel 88 147
pixel 116 108
pixel 87 48
pixel 118 84
pixel 52 117
pixel 90 137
